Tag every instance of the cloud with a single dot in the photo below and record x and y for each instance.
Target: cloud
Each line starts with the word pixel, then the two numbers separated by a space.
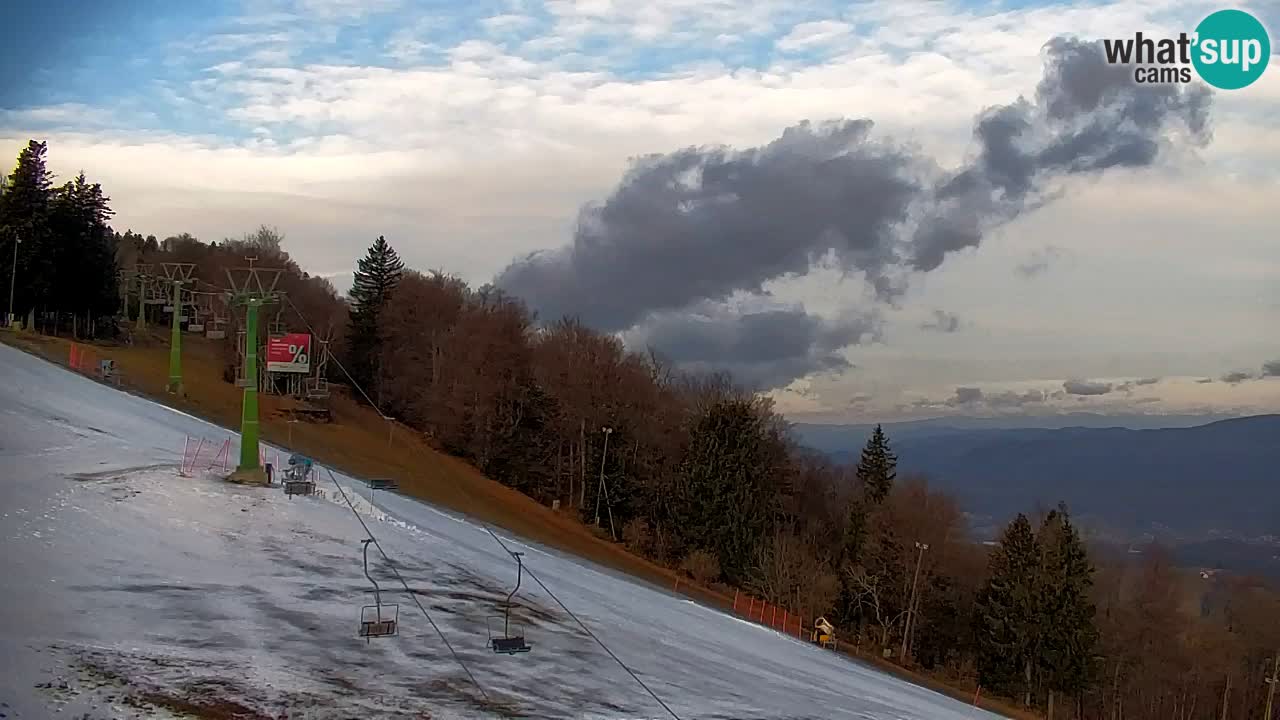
pixel 1271 369
pixel 1010 398
pixel 700 224
pixel 665 21
pixel 762 348
pixel 811 34
pixel 942 322
pixel 1204 381
pixel 967 396
pixel 974 398
pixel 1039 261
pixel 1129 385
pixel 1234 378
pixel 506 23
pixel 1086 387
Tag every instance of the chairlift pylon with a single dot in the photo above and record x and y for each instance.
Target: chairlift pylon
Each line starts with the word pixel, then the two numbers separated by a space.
pixel 509 643
pixel 377 620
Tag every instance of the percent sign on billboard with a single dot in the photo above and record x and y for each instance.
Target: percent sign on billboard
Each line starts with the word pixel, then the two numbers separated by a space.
pixel 289 353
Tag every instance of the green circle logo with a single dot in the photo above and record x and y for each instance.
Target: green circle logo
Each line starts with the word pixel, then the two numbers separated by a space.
pixel 1232 49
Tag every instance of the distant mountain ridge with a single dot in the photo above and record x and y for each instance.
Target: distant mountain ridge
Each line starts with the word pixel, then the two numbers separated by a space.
pixel 1185 483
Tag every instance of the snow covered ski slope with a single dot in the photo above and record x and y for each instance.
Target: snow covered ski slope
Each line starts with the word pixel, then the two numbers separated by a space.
pixel 129 591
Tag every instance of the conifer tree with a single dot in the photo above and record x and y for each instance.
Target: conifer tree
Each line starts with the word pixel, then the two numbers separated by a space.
pixel 877 468
pixel 1006 616
pixel 83 248
pixel 24 217
pixel 876 472
pixel 375 279
pixel 1071 636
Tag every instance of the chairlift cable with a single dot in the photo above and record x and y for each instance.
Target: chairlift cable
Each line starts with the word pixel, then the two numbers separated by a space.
pixel 411 594
pixel 587 630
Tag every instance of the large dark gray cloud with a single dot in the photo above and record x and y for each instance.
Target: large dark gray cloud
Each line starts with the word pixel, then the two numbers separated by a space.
pixel 1271 369
pixel 763 349
pixel 703 224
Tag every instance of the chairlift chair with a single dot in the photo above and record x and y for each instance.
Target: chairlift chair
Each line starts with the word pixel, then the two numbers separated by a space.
pixel 509 643
pixel 379 619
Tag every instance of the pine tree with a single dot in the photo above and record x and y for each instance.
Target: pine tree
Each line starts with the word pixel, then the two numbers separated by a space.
pixel 878 467
pixel 724 499
pixel 1071 637
pixel 24 216
pixel 376 277
pixel 876 471
pixel 1006 617
pixel 83 248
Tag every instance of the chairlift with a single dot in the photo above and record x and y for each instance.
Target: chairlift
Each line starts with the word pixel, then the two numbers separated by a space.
pixel 379 619
pixel 509 643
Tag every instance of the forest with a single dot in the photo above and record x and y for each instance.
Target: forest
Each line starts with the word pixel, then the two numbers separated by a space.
pixel 702 475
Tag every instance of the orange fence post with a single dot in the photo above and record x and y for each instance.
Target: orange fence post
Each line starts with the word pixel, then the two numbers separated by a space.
pixel 784 620
pixel 750 605
pixel 773 618
pixel 762 604
pixel 735 600
pixel 976 694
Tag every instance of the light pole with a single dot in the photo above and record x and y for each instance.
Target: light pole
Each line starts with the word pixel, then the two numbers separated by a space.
pixel 607 432
pixel 906 633
pixel 13 275
pixel 1271 689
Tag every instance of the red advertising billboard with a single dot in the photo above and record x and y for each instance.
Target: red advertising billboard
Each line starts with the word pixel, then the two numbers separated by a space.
pixel 289 353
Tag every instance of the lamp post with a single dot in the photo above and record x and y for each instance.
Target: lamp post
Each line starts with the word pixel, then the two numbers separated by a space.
pixel 13 276
pixel 906 633
pixel 1271 686
pixel 607 432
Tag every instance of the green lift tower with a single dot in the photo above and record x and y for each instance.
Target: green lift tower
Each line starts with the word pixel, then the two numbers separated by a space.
pixel 251 287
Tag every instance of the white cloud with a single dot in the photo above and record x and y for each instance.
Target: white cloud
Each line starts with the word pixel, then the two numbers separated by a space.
pixel 506 23
pixel 820 33
pixel 666 19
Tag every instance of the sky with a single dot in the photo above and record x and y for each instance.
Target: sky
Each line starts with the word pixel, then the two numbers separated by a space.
pixel 799 192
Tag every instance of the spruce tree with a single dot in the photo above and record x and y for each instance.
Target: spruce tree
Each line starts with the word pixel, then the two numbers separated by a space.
pixel 1070 637
pixel 376 277
pixel 876 471
pixel 1006 612
pixel 24 216
pixel 83 248
pixel 724 499
pixel 878 467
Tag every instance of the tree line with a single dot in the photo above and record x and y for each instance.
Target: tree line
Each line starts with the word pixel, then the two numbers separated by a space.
pixel 704 476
